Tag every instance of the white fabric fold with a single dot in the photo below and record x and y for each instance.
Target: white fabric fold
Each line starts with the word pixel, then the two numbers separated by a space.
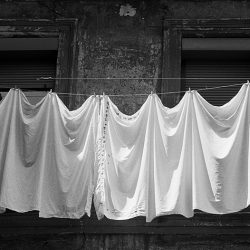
pixel 47 155
pixel 171 161
pixel 147 161
pixel 221 160
pixel 156 162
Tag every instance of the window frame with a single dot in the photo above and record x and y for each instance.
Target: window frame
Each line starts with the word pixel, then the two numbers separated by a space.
pixel 173 33
pixel 64 31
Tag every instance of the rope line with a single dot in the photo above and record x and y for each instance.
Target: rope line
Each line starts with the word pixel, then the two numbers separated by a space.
pixel 125 78
pixel 145 94
pixel 141 78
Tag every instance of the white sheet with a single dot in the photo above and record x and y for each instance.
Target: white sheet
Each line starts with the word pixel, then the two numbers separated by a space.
pixel 47 155
pixel 171 161
pixel 158 161
pixel 221 151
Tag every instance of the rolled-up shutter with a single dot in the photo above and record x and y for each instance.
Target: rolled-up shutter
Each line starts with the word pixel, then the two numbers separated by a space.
pixel 236 70
pixel 21 69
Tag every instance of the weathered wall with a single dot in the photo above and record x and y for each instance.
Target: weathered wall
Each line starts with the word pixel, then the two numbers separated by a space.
pixel 111 45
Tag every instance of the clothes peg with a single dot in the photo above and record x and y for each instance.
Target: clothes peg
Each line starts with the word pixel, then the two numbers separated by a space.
pixel 189 89
pixel 247 81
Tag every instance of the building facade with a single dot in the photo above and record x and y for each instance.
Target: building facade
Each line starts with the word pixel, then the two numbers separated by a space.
pixel 123 47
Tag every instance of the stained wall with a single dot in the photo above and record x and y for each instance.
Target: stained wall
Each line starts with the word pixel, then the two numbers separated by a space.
pixel 121 39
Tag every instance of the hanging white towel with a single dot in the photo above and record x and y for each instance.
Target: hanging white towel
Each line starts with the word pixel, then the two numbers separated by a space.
pixel 47 155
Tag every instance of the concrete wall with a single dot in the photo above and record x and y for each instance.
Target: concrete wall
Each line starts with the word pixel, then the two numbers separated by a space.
pixel 114 39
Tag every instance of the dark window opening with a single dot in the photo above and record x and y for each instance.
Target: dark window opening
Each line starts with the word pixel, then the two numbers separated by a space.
pixel 23 70
pixel 228 67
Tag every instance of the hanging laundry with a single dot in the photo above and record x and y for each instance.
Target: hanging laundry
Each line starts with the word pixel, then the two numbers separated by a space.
pixel 145 169
pixel 171 161
pixel 156 162
pixel 221 154
pixel 47 155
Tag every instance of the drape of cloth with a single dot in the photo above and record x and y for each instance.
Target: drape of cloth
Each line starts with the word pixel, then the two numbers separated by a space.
pixel 221 154
pixel 163 161
pixel 156 162
pixel 47 155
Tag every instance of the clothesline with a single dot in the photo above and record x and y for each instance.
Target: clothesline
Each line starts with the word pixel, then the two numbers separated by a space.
pixel 140 78
pixel 146 94
pixel 183 91
pixel 126 78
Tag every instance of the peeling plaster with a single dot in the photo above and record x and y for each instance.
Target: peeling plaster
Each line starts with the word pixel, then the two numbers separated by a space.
pixel 127 10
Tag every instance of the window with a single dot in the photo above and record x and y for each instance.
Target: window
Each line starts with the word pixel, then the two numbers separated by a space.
pixel 221 61
pixel 23 61
pixel 188 44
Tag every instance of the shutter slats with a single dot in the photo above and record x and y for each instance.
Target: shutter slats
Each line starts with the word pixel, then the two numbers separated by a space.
pixel 217 68
pixel 21 69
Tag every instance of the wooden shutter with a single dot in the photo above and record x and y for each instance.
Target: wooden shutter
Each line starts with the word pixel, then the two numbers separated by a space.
pixel 211 67
pixel 21 69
